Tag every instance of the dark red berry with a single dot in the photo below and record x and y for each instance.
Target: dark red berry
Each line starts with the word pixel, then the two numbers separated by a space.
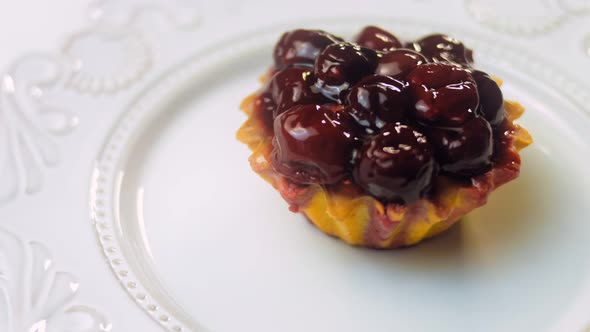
pixel 395 166
pixel 491 100
pixel 377 100
pixel 294 86
pixel 443 94
pixel 340 66
pixel 313 144
pixel 442 48
pixel 301 46
pixel 377 39
pixel 399 63
pixel 465 151
pixel 408 45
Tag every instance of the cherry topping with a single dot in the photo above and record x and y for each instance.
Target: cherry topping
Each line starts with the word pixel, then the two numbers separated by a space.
pixel 377 39
pixel 491 100
pixel 395 166
pixel 464 151
pixel 383 88
pixel 399 63
pixel 294 86
pixel 442 48
pixel 377 100
pixel 340 66
pixel 301 46
pixel 443 94
pixel 313 144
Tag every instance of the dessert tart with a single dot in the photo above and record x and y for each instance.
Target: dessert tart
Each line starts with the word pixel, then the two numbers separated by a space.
pixel 379 142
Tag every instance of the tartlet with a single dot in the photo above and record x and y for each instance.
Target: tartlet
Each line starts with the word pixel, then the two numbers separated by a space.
pixel 378 142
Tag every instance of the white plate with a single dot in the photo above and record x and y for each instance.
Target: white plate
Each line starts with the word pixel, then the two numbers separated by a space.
pixel 126 135
pixel 209 244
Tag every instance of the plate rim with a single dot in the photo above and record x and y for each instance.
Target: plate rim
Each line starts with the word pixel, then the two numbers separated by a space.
pixel 144 106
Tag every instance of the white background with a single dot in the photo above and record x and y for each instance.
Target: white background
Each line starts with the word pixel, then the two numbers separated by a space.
pixel 36 25
pixel 28 26
pixel 41 26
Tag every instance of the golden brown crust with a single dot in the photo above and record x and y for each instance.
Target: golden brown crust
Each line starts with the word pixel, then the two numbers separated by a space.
pixel 345 212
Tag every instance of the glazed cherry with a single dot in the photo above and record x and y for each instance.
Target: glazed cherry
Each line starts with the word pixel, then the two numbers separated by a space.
pixel 396 166
pixel 442 48
pixel 301 46
pixel 377 100
pixel 294 86
pixel 464 151
pixel 491 100
pixel 340 66
pixel 443 94
pixel 399 63
pixel 313 144
pixel 377 39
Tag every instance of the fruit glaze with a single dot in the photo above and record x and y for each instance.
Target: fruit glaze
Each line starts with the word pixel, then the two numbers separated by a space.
pixel 379 142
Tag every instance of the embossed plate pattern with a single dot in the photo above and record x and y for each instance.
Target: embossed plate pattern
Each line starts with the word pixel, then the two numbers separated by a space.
pixel 173 129
pixel 130 105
